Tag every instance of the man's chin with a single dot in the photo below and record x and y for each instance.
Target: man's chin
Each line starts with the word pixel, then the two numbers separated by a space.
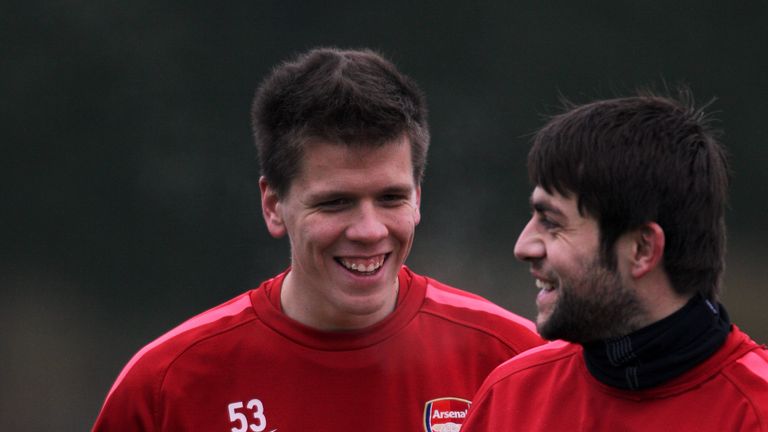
pixel 545 331
pixel 553 329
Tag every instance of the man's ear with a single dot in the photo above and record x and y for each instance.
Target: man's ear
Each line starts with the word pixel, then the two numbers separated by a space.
pixel 271 209
pixel 648 249
pixel 417 210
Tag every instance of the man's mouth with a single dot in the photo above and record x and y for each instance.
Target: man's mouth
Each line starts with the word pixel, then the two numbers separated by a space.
pixel 363 266
pixel 544 285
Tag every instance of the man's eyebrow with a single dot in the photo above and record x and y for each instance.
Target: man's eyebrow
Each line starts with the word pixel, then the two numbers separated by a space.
pixel 323 195
pixel 545 207
pixel 398 189
pixel 329 194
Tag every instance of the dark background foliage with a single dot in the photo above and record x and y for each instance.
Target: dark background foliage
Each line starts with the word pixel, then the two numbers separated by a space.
pixel 129 192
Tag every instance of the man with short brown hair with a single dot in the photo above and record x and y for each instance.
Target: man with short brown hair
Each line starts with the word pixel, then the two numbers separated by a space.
pixel 626 245
pixel 347 338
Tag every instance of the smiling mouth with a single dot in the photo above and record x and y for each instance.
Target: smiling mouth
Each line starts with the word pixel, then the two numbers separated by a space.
pixel 544 285
pixel 363 266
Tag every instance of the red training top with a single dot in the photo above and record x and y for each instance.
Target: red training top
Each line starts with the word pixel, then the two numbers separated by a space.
pixel 245 366
pixel 550 389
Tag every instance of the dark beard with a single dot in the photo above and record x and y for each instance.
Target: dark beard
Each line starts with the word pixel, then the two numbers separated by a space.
pixel 597 307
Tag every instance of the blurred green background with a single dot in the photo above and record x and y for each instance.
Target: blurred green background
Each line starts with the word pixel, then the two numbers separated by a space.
pixel 130 197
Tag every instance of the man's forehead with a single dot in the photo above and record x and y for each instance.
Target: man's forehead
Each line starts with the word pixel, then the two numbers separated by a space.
pixel 329 167
pixel 541 195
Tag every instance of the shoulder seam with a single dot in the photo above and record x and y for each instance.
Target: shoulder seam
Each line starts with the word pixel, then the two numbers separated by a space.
pixel 728 375
pixel 557 357
pixel 444 294
pixel 516 350
pixel 183 351
pixel 510 317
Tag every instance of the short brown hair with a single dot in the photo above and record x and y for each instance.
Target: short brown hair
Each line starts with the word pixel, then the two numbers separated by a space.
pixel 646 158
pixel 349 97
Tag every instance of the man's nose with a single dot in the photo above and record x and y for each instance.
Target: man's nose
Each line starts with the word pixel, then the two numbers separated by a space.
pixel 368 225
pixel 529 245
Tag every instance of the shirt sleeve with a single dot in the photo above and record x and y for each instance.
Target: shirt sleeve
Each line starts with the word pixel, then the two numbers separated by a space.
pixel 130 404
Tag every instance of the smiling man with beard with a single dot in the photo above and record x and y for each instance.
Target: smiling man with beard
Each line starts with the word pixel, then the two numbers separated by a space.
pixel 347 338
pixel 626 245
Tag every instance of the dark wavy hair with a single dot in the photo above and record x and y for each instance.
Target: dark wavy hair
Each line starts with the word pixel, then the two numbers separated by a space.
pixel 646 158
pixel 346 97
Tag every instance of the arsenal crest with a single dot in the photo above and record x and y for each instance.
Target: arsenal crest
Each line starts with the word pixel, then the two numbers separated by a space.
pixel 445 414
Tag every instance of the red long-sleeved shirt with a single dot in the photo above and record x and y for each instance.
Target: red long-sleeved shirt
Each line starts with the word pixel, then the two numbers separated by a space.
pixel 550 389
pixel 245 366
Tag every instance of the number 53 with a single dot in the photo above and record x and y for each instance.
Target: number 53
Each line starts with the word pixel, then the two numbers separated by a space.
pixel 257 412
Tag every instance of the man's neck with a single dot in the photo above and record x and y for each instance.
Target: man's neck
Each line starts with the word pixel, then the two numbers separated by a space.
pixel 661 351
pixel 658 297
pixel 306 306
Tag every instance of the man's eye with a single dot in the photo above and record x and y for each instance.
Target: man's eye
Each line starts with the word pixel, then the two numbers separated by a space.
pixel 547 223
pixel 337 203
pixel 393 199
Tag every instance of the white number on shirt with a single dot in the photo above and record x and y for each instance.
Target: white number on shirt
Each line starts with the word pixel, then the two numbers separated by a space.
pixel 256 408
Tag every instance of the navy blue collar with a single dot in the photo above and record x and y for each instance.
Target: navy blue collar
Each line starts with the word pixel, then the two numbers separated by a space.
pixel 661 351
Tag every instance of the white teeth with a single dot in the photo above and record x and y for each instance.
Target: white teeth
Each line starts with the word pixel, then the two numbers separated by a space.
pixel 546 286
pixel 362 268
